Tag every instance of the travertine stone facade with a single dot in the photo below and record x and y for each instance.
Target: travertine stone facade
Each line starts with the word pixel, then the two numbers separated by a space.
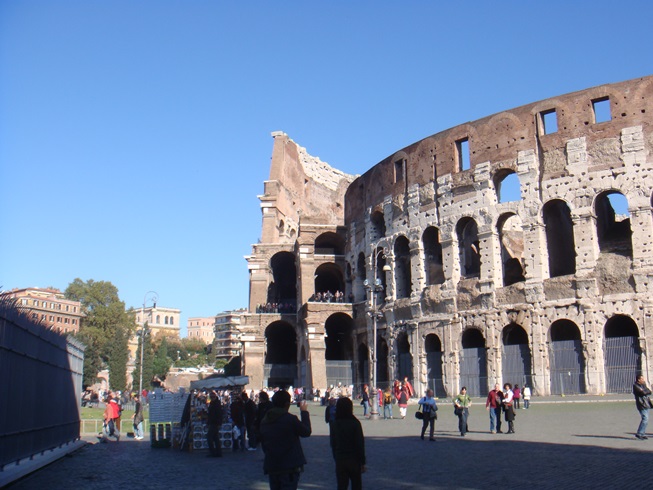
pixel 519 249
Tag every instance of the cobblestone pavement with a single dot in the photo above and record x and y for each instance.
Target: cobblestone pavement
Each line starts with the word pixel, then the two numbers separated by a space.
pixel 556 445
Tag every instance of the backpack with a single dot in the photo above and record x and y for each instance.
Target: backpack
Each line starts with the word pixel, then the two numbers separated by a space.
pixel 387 398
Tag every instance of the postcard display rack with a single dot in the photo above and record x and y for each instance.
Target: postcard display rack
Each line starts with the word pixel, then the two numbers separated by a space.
pixel 199 430
pixel 166 410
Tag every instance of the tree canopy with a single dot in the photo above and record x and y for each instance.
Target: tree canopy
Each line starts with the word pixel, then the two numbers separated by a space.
pixel 105 330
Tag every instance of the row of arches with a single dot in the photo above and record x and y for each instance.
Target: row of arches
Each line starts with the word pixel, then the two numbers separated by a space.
pixel 612 230
pixel 286 360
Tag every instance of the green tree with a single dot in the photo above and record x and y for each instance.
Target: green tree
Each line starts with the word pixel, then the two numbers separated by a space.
pixel 162 362
pixel 104 330
pixel 148 358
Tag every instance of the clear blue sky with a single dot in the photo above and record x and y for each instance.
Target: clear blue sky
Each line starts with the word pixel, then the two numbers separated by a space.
pixel 135 135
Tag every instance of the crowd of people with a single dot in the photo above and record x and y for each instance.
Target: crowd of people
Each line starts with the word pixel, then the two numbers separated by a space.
pixel 328 297
pixel 276 308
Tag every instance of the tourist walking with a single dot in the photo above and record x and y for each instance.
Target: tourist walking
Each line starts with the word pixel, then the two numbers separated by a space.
pixel 493 405
pixel 403 401
pixel 138 419
pixel 365 401
pixel 509 411
pixel 516 397
pixel 462 402
pixel 348 446
pixel 526 394
pixel 387 404
pixel 643 403
pixel 429 413
pixel 280 432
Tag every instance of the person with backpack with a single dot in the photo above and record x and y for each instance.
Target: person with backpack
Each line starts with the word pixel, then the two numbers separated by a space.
pixel 516 397
pixel 387 404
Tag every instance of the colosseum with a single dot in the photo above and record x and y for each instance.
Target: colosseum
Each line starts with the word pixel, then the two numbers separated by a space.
pixel 515 248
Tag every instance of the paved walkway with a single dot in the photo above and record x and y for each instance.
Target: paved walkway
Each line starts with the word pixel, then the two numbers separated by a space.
pixel 560 443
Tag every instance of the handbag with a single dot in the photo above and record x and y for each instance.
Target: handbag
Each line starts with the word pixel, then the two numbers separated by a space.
pixel 419 415
pixel 457 411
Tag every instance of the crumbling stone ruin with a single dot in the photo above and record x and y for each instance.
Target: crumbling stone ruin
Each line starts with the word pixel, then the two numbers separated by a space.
pixel 516 248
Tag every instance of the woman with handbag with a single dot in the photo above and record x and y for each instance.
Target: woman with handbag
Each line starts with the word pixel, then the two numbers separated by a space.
pixel 461 409
pixel 508 409
pixel 429 413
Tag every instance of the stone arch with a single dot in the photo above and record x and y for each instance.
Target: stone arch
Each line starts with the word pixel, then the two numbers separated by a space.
pixel 517 364
pixel 473 362
pixel 434 364
pixel 612 228
pixel 433 264
pixel 403 281
pixel 339 349
pixel 468 247
pixel 559 230
pixel 329 279
pixel 622 353
pixel 283 288
pixel 567 363
pixel 280 355
pixel 511 237
pixel 377 226
pixel 329 243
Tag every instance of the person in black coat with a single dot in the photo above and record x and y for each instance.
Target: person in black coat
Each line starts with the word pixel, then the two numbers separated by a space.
pixel 249 411
pixel 214 422
pixel 280 432
pixel 643 403
pixel 264 405
pixel 348 446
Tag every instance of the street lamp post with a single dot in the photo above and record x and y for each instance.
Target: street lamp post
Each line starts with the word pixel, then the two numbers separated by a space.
pixel 154 298
pixel 375 314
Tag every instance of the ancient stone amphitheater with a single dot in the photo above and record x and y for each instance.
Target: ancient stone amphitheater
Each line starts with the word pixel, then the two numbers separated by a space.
pixel 516 248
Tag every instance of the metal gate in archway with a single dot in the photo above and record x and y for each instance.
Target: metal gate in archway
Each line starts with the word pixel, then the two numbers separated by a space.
pixel 434 369
pixel 516 364
pixel 623 361
pixel 567 368
pixel 473 371
pixel 340 372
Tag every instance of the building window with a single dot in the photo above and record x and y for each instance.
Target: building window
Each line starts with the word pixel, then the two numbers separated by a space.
pixel 399 170
pixel 601 108
pixel 549 120
pixel 462 154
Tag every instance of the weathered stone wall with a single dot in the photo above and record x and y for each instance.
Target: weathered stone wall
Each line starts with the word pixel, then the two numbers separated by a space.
pixel 500 263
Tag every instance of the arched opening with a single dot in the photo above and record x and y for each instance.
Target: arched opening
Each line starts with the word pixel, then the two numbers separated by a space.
pixel 403 279
pixel 329 244
pixel 383 376
pixel 339 353
pixel 283 288
pixel 377 226
pixel 359 289
pixel 473 363
pixel 404 357
pixel 613 224
pixel 516 361
pixel 433 349
pixel 622 352
pixel 507 185
pixel 468 248
pixel 559 238
pixel 511 236
pixel 363 371
pixel 433 267
pixel 280 355
pixel 567 360
pixel 329 281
